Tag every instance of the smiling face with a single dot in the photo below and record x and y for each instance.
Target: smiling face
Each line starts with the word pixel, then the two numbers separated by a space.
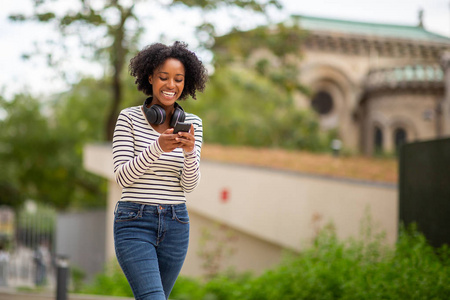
pixel 167 82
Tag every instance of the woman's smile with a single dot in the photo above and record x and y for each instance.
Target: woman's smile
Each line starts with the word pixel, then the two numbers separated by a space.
pixel 169 94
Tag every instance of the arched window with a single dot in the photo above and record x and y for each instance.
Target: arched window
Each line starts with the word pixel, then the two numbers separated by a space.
pixel 399 138
pixel 322 103
pixel 378 140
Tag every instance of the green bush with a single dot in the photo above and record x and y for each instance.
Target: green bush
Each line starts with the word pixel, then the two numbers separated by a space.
pixel 187 288
pixel 112 283
pixel 330 269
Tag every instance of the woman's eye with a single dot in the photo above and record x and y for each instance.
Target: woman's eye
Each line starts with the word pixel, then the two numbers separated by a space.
pixel 162 78
pixel 179 80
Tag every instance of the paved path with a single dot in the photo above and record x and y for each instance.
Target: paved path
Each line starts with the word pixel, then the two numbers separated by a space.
pixel 11 294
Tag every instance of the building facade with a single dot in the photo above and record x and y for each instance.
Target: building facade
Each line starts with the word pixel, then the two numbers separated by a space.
pixel 377 85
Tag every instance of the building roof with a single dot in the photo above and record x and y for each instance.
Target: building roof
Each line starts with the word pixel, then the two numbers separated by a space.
pixel 369 29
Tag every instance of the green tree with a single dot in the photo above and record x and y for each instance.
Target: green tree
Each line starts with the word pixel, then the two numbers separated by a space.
pixel 250 99
pixel 41 160
pixel 280 64
pixel 118 28
pixel 242 107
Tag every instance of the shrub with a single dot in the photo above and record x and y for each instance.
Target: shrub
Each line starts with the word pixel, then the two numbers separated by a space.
pixel 112 282
pixel 330 269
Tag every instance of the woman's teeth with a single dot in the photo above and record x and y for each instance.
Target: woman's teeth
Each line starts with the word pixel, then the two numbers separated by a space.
pixel 169 94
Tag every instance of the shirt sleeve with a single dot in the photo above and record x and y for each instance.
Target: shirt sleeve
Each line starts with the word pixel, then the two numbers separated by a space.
pixel 190 176
pixel 128 167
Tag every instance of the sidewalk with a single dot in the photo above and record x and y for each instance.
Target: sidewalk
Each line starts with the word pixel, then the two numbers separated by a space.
pixel 12 294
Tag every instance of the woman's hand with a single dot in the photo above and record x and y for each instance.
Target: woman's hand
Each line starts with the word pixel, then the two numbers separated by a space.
pixel 168 141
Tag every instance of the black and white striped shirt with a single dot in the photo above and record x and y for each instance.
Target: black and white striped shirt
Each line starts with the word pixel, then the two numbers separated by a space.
pixel 144 171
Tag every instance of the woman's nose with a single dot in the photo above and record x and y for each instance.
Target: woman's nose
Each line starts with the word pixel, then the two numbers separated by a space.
pixel 171 83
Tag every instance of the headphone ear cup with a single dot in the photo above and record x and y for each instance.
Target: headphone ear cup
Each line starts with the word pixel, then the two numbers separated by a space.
pixel 159 114
pixel 178 115
pixel 155 114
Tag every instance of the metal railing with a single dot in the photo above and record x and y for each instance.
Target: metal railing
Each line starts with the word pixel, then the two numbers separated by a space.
pixel 418 75
pixel 26 258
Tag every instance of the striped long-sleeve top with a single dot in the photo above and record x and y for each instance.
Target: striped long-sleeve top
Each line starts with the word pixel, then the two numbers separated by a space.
pixel 144 171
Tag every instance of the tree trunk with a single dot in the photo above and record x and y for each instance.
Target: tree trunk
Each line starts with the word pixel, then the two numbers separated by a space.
pixel 118 54
pixel 114 110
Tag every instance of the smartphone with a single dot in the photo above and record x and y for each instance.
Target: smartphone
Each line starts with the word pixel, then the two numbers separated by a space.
pixel 182 126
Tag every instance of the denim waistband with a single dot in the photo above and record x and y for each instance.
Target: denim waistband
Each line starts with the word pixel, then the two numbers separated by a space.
pixel 153 207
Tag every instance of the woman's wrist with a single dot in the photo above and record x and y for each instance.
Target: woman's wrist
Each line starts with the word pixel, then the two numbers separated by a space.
pixel 189 153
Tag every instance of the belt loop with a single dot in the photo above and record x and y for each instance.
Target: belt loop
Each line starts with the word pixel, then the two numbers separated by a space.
pixel 115 208
pixel 173 212
pixel 141 210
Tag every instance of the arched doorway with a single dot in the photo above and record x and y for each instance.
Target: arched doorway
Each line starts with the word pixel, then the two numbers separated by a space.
pixel 400 137
pixel 378 140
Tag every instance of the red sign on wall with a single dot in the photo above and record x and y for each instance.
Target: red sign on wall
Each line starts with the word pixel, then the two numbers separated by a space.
pixel 224 195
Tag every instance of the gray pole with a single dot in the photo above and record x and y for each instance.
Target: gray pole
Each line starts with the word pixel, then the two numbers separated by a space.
pixel 62 276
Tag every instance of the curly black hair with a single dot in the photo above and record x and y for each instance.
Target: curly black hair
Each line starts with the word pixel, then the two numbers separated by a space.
pixel 147 60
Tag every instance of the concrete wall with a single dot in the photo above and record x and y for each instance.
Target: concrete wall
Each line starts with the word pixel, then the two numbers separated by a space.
pixel 98 160
pixel 81 237
pixel 276 210
pixel 229 248
pixel 263 211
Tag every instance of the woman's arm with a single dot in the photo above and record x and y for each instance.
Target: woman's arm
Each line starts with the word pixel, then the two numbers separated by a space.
pixel 127 167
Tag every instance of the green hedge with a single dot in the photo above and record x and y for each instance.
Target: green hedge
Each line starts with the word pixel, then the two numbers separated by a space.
pixel 333 269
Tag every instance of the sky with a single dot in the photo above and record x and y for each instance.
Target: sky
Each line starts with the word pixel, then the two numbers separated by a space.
pixel 34 76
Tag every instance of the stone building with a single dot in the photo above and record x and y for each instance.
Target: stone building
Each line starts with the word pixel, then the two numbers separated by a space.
pixel 378 85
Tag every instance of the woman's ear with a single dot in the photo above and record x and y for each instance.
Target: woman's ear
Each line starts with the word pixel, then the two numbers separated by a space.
pixel 150 79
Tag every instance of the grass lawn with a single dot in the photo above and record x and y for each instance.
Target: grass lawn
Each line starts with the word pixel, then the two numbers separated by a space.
pixel 356 167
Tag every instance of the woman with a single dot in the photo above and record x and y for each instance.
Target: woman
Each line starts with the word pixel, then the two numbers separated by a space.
pixel 155 168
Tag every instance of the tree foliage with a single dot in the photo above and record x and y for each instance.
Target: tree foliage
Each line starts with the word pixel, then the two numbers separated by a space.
pixel 250 99
pixel 41 159
pixel 279 63
pixel 118 28
pixel 241 107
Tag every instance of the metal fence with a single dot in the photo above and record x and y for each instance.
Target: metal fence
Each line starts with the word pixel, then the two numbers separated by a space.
pixel 26 246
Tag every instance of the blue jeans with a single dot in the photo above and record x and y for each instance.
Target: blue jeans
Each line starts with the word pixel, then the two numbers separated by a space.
pixel 151 243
